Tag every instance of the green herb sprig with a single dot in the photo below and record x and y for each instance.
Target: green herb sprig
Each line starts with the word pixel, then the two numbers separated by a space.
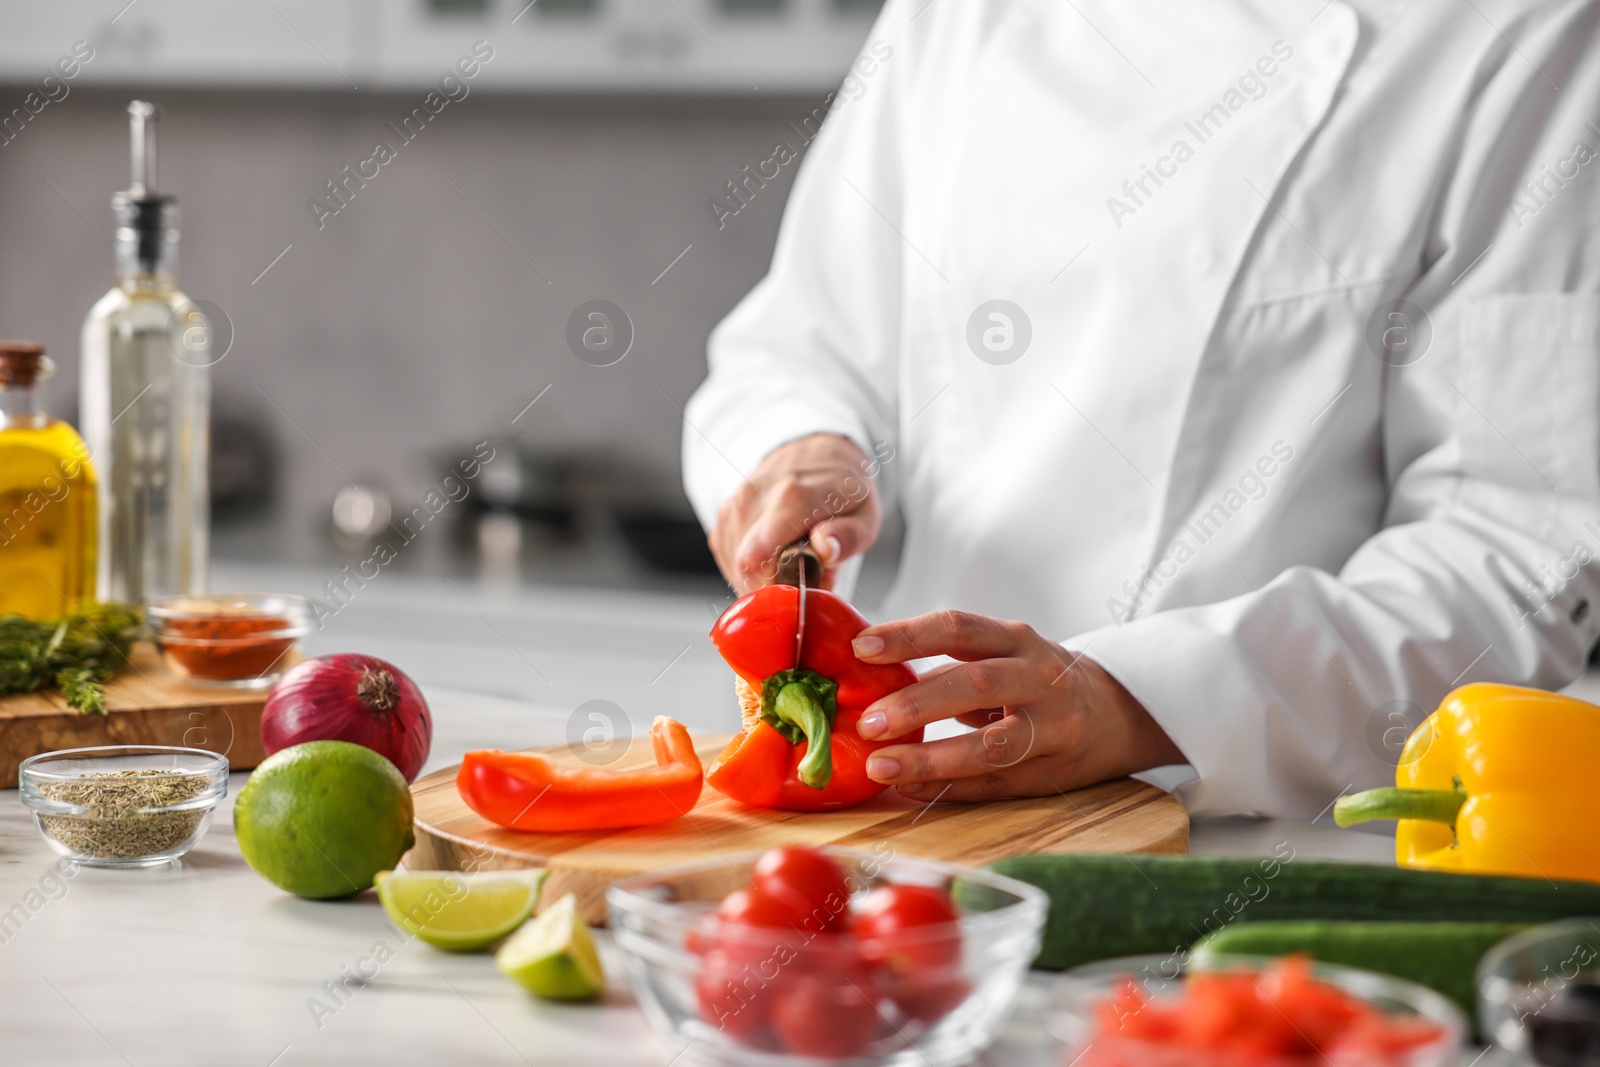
pixel 77 653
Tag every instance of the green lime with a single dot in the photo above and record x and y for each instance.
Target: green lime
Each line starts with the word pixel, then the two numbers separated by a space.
pixel 459 912
pixel 554 955
pixel 320 819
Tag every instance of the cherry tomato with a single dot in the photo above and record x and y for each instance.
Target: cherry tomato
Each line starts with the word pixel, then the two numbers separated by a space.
pixel 828 1015
pixel 753 907
pixel 809 875
pixel 701 938
pixel 908 928
pixel 760 930
pixel 756 950
pixel 929 997
pixel 732 998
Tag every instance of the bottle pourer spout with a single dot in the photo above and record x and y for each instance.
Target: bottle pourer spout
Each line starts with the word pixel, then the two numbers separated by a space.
pixel 142 138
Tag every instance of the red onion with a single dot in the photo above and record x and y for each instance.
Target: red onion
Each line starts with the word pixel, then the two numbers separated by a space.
pixel 354 698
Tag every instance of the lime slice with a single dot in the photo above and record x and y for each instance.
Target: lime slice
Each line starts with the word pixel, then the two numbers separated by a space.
pixel 459 912
pixel 554 955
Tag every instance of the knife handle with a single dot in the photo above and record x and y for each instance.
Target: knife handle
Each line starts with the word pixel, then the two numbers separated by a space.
pixel 792 557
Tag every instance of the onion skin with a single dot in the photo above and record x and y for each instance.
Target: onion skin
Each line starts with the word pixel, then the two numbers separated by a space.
pixel 355 698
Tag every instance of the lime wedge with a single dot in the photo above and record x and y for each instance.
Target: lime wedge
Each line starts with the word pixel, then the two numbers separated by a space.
pixel 459 912
pixel 554 955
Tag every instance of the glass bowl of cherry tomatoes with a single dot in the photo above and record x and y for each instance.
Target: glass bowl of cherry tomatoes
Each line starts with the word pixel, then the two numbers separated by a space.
pixel 1248 1011
pixel 800 955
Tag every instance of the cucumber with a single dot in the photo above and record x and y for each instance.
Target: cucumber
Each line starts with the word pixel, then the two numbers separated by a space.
pixel 1440 955
pixel 1113 905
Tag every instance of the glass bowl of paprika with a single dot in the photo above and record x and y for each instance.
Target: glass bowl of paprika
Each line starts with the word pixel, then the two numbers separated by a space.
pixel 239 640
pixel 909 961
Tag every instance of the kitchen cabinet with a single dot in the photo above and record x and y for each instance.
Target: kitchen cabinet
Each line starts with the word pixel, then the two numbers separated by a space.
pixel 288 43
pixel 603 46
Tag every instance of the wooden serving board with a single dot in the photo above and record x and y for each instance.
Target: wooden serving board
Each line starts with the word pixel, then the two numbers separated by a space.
pixel 146 704
pixel 1119 816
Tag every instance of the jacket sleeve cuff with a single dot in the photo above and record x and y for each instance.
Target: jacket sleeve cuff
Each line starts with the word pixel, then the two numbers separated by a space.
pixel 1181 665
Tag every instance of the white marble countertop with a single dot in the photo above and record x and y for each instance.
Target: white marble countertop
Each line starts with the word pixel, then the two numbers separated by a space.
pixel 206 963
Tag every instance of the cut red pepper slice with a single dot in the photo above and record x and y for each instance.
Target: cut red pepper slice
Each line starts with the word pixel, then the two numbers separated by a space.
pixel 530 791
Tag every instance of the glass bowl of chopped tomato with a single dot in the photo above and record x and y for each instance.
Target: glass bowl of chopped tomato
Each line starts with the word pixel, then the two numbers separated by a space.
pixel 1152 1011
pixel 802 955
pixel 238 640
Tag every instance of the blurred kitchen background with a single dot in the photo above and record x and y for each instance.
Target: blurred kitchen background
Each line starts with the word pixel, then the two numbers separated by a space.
pixel 372 349
pixel 367 356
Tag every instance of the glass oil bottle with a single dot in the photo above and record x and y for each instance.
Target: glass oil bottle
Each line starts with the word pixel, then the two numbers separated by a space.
pixel 47 495
pixel 146 397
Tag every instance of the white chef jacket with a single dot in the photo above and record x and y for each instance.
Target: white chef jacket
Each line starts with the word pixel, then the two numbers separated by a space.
pixel 1229 465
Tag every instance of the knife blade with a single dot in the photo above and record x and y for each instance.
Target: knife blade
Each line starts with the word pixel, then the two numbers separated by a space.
pixel 800 621
pixel 799 566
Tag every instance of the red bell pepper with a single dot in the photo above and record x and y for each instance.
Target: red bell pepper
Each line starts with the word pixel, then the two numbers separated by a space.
pixel 798 749
pixel 530 791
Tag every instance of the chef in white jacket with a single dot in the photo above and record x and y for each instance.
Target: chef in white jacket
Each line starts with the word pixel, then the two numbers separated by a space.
pixel 1244 353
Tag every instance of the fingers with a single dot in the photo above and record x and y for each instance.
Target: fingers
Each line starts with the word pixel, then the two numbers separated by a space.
pixel 817 485
pixel 959 690
pixel 839 538
pixel 732 520
pixel 1057 737
pixel 980 718
pixel 1066 737
pixel 950 757
pixel 783 518
pixel 999 746
pixel 959 634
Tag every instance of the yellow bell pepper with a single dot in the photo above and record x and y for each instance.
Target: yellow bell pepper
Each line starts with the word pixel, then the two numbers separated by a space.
pixel 1499 780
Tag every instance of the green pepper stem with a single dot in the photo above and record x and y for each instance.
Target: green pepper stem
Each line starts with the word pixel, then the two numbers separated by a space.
pixel 797 705
pixel 1432 805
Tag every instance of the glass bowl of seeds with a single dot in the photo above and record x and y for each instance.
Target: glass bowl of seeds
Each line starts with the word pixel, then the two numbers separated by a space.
pixel 123 805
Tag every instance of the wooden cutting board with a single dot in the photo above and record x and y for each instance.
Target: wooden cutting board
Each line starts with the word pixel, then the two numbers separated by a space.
pixel 146 704
pixel 1119 816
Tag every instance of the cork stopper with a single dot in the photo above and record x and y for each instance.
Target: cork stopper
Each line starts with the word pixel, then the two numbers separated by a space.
pixel 20 362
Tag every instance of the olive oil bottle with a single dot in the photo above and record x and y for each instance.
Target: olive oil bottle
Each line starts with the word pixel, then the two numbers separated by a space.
pixel 145 397
pixel 48 498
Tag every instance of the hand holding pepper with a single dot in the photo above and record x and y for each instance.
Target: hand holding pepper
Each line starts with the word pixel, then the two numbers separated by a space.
pixel 1045 719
